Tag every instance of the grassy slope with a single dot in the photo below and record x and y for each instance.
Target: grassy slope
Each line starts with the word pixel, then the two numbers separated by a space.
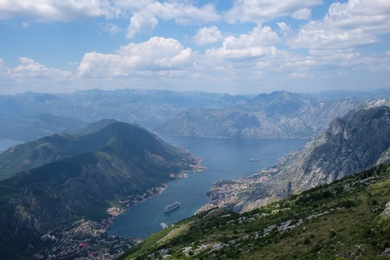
pixel 340 220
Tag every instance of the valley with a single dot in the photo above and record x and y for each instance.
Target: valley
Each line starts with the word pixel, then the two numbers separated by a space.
pixel 196 129
pixel 73 188
pixel 223 159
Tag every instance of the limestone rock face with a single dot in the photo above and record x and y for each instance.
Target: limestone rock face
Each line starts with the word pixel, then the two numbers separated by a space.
pixel 353 143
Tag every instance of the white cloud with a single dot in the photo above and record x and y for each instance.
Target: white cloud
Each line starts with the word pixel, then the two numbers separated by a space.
pixel 265 10
pixel 30 75
pixel 183 13
pixel 346 25
pixel 302 14
pixel 164 52
pixel 156 54
pixel 144 14
pixel 260 54
pixel 146 18
pixel 98 65
pixel 32 69
pixel 208 35
pixel 51 10
pixel 141 22
pixel 255 44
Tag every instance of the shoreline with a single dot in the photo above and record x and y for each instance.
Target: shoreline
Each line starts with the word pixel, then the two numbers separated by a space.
pixel 82 236
pixel 155 191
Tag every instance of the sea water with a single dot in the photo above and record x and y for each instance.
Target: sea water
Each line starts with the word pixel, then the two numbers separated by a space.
pixel 224 158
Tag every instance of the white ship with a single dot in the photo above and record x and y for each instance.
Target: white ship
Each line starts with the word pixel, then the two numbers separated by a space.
pixel 171 207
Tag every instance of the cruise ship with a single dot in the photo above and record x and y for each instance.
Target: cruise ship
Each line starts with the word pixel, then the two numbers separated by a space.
pixel 171 207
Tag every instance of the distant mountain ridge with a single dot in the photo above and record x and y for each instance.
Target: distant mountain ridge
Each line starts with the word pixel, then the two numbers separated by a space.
pixel 80 177
pixel 353 143
pixel 24 127
pixel 148 108
pixel 280 114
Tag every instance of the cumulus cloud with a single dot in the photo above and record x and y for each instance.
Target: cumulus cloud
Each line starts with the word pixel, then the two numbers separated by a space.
pixel 332 43
pixel 266 10
pixel 208 35
pixel 346 25
pixel 160 51
pixel 302 14
pixel 156 54
pixel 141 22
pixel 255 44
pixel 51 10
pixel 32 69
pixel 144 14
pixel 183 13
pixel 145 19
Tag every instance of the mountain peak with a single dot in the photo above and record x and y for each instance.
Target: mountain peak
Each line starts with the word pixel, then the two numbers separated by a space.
pixel 97 126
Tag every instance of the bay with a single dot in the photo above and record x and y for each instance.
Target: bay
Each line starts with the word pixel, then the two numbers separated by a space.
pixel 224 158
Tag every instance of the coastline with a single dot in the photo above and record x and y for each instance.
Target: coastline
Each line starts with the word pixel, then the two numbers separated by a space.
pixel 155 191
pixel 82 237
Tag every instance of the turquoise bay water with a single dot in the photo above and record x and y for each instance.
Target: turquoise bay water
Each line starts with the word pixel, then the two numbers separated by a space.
pixel 224 159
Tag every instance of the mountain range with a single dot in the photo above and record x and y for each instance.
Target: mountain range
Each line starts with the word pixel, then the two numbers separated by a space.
pixel 60 179
pixel 276 115
pixel 24 127
pixel 283 114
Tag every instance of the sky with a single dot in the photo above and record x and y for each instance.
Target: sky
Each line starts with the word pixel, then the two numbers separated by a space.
pixel 225 46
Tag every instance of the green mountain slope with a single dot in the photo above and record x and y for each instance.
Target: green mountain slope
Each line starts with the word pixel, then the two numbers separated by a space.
pixel 61 146
pixel 114 165
pixel 348 219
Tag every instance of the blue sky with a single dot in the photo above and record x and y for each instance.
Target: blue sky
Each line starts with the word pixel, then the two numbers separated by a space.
pixel 237 46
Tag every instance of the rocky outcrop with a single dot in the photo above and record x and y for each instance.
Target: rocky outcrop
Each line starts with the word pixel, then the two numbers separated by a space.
pixel 353 143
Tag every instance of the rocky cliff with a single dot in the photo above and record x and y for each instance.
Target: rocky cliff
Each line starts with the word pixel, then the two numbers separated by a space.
pixel 355 142
pixel 113 165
